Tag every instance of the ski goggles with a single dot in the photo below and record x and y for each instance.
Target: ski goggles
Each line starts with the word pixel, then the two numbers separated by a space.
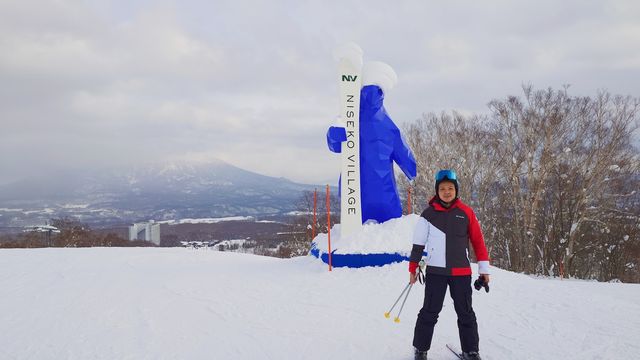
pixel 446 174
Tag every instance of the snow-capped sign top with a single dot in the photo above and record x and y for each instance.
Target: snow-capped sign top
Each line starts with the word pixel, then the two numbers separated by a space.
pixel 373 72
pixel 350 51
pixel 379 73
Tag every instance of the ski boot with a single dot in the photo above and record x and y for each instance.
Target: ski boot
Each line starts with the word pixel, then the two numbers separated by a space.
pixel 420 355
pixel 471 355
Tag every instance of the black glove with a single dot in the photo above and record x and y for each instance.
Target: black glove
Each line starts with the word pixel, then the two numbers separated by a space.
pixel 480 283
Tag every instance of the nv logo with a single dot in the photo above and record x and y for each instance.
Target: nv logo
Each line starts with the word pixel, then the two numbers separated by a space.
pixel 349 77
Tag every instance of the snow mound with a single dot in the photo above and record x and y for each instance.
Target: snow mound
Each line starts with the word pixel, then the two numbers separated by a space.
pixel 392 236
pixel 374 245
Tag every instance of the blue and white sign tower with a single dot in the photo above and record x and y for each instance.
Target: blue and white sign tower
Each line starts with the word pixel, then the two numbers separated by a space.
pixel 370 144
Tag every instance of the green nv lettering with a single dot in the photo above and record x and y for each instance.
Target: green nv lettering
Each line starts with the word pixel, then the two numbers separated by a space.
pixel 349 77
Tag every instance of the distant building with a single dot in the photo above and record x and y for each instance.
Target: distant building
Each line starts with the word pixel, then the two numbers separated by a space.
pixel 149 231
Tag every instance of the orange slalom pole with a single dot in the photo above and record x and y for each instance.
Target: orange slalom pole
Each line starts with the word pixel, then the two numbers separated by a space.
pixel 329 227
pixel 315 206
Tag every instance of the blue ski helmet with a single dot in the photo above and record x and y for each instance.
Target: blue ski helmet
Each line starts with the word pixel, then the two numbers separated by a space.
pixel 447 175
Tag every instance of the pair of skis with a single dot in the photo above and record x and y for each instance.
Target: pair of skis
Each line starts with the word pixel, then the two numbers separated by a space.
pixel 455 351
pixel 349 58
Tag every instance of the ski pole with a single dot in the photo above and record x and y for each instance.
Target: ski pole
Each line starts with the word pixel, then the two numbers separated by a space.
pixel 388 313
pixel 397 319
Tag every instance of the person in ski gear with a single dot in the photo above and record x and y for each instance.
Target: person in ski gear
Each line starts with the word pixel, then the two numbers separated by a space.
pixel 445 229
pixel 381 144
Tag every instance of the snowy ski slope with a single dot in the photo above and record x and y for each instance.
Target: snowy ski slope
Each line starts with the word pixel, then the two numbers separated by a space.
pixel 154 303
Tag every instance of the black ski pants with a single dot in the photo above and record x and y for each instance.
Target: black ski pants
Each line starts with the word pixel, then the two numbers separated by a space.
pixel 434 292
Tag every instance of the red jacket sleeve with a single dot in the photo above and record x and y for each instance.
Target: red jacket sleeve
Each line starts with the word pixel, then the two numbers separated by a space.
pixel 476 237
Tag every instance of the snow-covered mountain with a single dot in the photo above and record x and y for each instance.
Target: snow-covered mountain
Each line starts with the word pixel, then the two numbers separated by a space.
pixel 167 190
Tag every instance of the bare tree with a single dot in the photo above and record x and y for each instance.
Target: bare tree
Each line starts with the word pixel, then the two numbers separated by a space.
pixel 298 241
pixel 453 141
pixel 552 177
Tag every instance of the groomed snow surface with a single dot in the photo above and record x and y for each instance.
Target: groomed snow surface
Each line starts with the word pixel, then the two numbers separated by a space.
pixel 155 303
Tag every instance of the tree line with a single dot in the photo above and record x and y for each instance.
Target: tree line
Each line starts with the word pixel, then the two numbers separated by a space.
pixel 298 242
pixel 72 234
pixel 553 178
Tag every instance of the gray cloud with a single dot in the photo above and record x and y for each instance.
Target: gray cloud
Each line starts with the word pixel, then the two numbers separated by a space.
pixel 105 83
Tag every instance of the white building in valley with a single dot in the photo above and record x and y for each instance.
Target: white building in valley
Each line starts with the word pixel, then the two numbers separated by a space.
pixel 149 231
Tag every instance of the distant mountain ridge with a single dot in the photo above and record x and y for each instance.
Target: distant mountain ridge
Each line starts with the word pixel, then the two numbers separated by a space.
pixel 160 191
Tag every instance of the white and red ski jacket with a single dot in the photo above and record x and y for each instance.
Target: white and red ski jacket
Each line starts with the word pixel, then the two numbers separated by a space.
pixel 445 234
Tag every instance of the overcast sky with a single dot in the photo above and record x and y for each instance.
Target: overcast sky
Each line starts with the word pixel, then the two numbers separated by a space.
pixel 103 83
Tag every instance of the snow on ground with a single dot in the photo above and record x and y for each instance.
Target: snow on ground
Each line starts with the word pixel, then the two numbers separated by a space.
pixel 75 206
pixel 43 211
pixel 176 303
pixel 299 213
pixel 226 244
pixel 206 220
pixel 10 210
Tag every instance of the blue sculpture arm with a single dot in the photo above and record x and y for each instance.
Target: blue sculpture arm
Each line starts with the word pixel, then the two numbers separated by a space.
pixel 335 136
pixel 403 156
